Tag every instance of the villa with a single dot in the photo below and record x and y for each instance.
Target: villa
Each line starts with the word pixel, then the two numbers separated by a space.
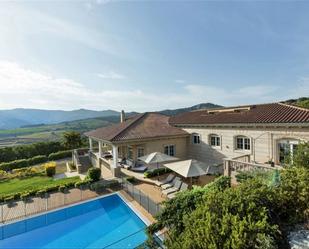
pixel 260 135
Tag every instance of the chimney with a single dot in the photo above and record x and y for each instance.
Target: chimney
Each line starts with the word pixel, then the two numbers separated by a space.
pixel 122 116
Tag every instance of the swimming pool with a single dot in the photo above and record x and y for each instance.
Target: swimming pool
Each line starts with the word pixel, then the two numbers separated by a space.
pixel 107 222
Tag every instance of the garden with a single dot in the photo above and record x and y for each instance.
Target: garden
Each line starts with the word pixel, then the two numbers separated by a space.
pixel 260 212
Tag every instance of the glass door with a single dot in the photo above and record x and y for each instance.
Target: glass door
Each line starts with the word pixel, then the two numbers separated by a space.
pixel 287 149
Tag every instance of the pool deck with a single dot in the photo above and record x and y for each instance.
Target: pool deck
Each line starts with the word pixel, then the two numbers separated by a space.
pixel 137 207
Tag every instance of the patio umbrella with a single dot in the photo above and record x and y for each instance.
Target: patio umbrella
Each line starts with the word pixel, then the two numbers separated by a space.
pixel 188 168
pixel 157 157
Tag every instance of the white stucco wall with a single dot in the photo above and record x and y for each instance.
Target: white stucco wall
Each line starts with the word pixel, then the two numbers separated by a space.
pixel 264 143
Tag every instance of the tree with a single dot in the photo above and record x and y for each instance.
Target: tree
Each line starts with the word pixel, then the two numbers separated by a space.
pixel 72 140
pixel 255 214
pixel 301 155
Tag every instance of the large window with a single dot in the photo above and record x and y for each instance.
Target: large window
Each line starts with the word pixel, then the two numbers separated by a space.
pixel 140 151
pixel 169 150
pixel 196 138
pixel 243 143
pixel 287 149
pixel 215 140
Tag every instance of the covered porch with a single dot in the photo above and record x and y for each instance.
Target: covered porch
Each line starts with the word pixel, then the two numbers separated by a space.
pixel 114 156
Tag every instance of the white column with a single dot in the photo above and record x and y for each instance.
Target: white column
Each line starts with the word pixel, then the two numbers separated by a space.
pixel 90 145
pixel 115 156
pixel 100 149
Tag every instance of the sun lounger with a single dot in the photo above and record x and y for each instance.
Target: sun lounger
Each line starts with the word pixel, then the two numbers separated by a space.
pixel 172 189
pixel 183 187
pixel 171 184
pixel 168 179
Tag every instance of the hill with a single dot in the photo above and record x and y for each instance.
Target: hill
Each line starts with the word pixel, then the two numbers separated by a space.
pixel 301 102
pixel 16 118
pixel 188 109
pixel 30 133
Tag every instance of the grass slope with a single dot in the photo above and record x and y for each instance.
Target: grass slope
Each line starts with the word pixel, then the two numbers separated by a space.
pixel 33 183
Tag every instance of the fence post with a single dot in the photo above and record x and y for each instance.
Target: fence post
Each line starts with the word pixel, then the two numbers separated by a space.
pixel 2 215
pixel 148 203
pixel 140 197
pixel 25 206
pixel 46 202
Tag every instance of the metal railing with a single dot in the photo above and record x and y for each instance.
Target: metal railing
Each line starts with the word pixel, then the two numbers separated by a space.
pixel 233 167
pixel 143 199
pixel 17 209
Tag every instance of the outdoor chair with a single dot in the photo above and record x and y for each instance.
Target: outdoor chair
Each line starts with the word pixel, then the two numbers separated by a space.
pixel 183 187
pixel 173 189
pixel 171 184
pixel 168 179
pixel 127 163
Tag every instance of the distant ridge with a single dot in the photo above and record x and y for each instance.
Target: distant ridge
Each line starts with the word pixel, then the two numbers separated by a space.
pixel 172 112
pixel 15 118
pixel 20 117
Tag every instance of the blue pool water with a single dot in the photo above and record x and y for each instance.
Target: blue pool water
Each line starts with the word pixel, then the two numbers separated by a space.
pixel 103 223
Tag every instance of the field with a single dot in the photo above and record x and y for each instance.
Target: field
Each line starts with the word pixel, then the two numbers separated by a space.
pixel 28 135
pixel 33 183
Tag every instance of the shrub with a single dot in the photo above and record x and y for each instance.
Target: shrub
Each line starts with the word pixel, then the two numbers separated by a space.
pixel 50 169
pixel 157 172
pixel 131 179
pixel 94 174
pixel 25 196
pixel 41 192
pixel 37 159
pixel 60 155
pixel 82 183
pixel 23 163
pixel 9 154
pixel 62 188
pixel 14 164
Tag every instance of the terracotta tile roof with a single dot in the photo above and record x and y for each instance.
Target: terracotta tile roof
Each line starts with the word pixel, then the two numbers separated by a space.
pixel 146 125
pixel 263 113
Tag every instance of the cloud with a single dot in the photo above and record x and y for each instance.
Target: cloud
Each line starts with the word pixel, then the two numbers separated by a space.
pixel 30 22
pixel 180 81
pixel 23 87
pixel 111 75
pixel 90 5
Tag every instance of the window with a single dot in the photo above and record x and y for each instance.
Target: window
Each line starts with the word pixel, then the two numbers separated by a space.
pixel 130 152
pixel 287 149
pixel 169 150
pixel 140 152
pixel 215 140
pixel 243 143
pixel 196 138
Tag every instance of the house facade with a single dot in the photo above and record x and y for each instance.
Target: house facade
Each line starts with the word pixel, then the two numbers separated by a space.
pixel 258 134
pixel 135 137
pixel 267 132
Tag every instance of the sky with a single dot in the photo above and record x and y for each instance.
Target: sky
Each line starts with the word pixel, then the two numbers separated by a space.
pixel 151 55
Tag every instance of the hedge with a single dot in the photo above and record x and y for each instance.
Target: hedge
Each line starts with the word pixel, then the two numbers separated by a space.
pixel 22 163
pixel 38 192
pixel 8 154
pixel 17 164
pixel 157 172
pixel 60 155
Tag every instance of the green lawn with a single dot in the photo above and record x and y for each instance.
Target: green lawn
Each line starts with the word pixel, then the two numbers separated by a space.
pixel 33 183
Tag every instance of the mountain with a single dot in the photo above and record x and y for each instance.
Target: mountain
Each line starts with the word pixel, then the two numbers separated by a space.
pixel 15 118
pixel 188 109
